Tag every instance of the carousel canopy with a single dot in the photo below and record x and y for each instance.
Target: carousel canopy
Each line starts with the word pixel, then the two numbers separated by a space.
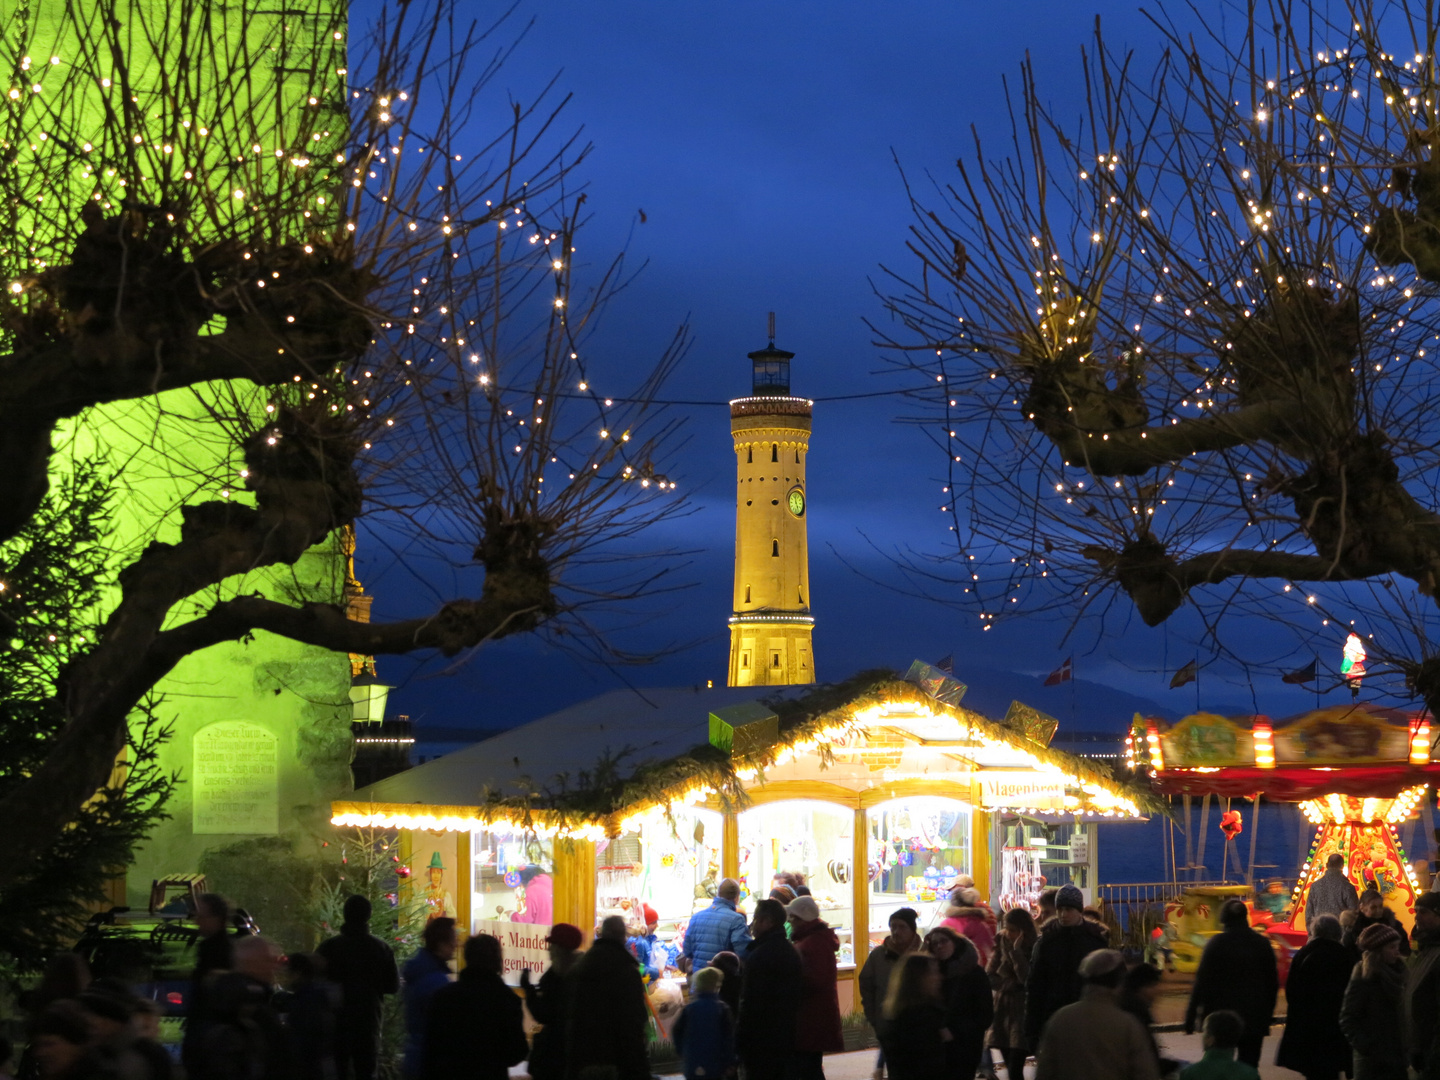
pixel 1360 749
pixel 587 769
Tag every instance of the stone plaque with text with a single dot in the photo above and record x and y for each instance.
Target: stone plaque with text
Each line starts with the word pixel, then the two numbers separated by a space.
pixel 235 783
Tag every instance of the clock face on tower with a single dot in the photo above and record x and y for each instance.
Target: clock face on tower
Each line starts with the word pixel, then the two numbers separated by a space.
pixel 797 502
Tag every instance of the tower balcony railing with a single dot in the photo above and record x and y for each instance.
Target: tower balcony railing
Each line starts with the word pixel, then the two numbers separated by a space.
pixel 766 405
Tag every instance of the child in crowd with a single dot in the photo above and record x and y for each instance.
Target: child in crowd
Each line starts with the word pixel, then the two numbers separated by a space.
pixel 1222 1032
pixel 704 1034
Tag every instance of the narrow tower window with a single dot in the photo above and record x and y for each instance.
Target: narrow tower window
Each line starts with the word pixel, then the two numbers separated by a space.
pixel 799 595
pixel 774 452
pixel 747 594
pixel 774 659
pixel 749 455
pixel 797 457
pixel 745 659
pixel 775 549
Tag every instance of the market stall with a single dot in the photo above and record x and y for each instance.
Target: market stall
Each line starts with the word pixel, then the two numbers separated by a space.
pixel 878 792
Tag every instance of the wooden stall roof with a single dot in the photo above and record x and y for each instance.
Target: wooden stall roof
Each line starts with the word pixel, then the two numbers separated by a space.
pixel 581 770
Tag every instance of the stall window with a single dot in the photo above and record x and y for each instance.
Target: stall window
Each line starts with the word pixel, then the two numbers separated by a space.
pixel 670 864
pixel 918 847
pixel 812 839
pixel 513 895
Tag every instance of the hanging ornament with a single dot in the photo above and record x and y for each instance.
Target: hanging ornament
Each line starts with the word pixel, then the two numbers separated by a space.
pixel 512 878
pixel 1352 664
pixel 1230 824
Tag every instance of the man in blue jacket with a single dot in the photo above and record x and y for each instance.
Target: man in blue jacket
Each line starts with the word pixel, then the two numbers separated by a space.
pixel 719 928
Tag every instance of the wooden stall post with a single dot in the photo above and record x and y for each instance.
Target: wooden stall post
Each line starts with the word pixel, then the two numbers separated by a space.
pixel 575 884
pixel 980 850
pixel 860 888
pixel 730 846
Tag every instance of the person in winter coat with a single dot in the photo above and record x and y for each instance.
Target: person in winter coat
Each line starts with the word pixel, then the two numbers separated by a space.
pixel 244 1039
pixel 969 1004
pixel 1371 1015
pixel 769 997
pixel 874 978
pixel 363 967
pixel 912 1019
pixel 549 1002
pixel 1421 1007
pixel 1333 893
pixel 608 1025
pixel 1139 991
pixel 1373 912
pixel 728 964
pixel 1223 1032
pixel 817 1023
pixel 1054 980
pixel 425 973
pixel 645 945
pixel 1237 972
pixel 1008 969
pixel 476 1028
pixel 310 1018
pixel 214 953
pixel 704 1033
pixel 1312 1043
pixel 974 922
pixel 1094 1038
pixel 719 928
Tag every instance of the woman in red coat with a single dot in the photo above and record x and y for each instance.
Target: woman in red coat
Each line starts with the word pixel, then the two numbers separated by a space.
pixel 817 1026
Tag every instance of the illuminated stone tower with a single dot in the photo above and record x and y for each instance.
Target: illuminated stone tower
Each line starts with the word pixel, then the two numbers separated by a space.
pixel 770 621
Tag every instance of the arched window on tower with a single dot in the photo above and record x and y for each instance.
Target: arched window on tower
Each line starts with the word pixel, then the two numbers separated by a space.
pixel 747 594
pixel 775 549
pixel 775 452
pixel 749 455
pixel 799 595
pixel 797 457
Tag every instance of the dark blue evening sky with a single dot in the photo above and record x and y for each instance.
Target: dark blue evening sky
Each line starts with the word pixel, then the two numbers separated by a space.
pixel 758 139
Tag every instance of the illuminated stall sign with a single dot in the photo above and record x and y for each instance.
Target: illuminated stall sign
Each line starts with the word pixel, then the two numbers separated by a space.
pixel 1002 792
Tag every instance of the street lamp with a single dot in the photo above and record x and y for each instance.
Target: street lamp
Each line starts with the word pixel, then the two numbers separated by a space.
pixel 367 699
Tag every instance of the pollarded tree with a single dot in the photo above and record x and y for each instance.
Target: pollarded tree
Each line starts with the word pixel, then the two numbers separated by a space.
pixel 1186 335
pixel 319 277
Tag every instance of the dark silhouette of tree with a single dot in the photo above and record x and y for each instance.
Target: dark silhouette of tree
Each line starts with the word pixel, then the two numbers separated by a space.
pixel 335 277
pixel 1181 337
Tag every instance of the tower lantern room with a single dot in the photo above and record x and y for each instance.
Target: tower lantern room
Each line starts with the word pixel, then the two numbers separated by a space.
pixel 770 621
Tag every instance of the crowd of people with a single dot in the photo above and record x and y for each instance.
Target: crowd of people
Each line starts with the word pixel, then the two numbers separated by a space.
pixel 764 999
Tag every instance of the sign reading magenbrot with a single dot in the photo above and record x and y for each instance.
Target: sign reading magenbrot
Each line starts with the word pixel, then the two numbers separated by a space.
pixel 235 784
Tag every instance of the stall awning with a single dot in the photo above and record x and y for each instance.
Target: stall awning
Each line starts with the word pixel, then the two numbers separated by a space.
pixel 587 769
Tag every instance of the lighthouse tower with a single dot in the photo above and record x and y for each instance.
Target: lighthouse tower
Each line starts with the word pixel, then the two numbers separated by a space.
pixel 770 621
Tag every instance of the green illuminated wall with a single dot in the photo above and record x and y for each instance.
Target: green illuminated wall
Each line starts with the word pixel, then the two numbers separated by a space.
pixel 282 749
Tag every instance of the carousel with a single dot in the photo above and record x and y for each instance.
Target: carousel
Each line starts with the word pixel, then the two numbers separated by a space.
pixel 1357 771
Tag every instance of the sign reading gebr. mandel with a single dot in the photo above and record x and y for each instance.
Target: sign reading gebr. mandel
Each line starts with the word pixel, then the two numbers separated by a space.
pixel 235 784
pixel 522 943
pixel 1025 792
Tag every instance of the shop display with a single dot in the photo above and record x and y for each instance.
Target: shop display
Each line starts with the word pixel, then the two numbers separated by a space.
pixel 512 875
pixel 812 839
pixel 918 847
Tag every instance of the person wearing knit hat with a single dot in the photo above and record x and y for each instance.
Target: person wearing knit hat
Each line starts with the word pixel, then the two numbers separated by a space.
pixel 1372 1013
pixel 1069 896
pixel 817 1024
pixel 548 1002
pixel 1373 912
pixel 645 945
pixel 704 1033
pixel 1054 979
pixel 1094 1038
pixel 1422 983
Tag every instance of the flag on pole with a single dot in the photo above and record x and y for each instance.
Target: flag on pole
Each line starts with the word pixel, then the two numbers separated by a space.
pixel 947 664
pixel 1187 674
pixel 1303 675
pixel 1063 673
